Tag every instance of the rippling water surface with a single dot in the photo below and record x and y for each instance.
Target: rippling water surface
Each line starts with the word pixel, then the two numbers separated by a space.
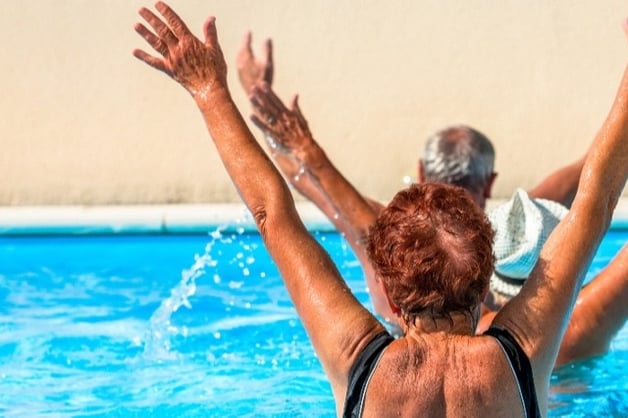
pixel 193 326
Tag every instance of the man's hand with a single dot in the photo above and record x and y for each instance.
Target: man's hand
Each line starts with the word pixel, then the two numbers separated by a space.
pixel 252 70
pixel 287 127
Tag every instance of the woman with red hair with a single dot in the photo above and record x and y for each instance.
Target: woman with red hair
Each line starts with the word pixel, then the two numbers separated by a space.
pixel 432 247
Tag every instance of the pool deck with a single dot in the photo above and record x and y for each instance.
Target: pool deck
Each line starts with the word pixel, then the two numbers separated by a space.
pixel 164 219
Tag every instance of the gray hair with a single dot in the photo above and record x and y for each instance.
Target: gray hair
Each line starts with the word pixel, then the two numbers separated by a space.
pixel 459 155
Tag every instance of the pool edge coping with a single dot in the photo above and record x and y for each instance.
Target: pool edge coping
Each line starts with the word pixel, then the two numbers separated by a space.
pixel 167 219
pixel 138 219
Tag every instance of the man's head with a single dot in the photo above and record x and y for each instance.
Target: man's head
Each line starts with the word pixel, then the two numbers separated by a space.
pixel 461 156
pixel 432 247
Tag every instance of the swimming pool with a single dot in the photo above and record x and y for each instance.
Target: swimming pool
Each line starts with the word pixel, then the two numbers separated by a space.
pixel 194 325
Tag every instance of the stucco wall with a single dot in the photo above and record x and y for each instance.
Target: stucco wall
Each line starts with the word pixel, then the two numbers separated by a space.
pixel 83 122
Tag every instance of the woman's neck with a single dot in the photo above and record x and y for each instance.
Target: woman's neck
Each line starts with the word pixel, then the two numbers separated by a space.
pixel 458 323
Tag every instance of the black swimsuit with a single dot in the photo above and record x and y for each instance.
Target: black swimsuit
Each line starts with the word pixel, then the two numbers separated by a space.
pixel 362 369
pixel 522 369
pixel 360 374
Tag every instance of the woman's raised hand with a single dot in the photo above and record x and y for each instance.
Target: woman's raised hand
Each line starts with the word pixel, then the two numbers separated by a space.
pixel 198 66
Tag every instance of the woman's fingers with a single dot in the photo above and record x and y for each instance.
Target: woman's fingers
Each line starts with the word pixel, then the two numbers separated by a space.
pixel 152 39
pixel 160 28
pixel 156 63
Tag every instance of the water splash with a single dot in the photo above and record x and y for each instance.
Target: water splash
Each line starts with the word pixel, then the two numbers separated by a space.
pixel 276 146
pixel 157 342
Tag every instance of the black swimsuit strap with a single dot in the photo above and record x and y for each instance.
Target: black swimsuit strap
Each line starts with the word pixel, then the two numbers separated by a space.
pixel 522 369
pixel 360 374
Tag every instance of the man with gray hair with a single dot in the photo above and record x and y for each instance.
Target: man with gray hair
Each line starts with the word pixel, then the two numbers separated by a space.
pixel 465 157
pixel 462 156
pixel 458 155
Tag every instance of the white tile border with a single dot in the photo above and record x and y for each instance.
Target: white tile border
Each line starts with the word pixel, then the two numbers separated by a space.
pixel 158 219
pixel 137 219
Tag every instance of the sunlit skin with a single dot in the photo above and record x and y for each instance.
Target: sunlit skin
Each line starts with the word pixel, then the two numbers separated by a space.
pixel 252 69
pixel 306 166
pixel 439 367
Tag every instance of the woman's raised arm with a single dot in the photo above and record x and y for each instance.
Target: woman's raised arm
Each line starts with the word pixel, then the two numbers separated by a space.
pixel 338 325
pixel 538 316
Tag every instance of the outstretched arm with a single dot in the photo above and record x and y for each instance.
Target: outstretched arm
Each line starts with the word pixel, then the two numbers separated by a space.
pixel 538 315
pixel 309 170
pixel 290 135
pixel 338 325
pixel 260 71
pixel 561 185
pixel 600 312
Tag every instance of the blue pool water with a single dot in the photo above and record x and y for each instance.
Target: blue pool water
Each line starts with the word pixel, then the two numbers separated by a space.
pixel 193 326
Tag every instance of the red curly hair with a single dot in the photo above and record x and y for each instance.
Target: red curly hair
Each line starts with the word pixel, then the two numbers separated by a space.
pixel 433 248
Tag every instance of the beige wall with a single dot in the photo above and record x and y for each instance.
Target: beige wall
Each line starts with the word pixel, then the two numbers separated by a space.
pixel 83 122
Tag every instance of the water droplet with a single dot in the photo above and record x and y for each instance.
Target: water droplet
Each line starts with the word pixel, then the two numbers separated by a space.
pixel 408 180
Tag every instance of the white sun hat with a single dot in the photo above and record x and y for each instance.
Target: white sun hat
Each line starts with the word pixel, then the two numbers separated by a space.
pixel 521 226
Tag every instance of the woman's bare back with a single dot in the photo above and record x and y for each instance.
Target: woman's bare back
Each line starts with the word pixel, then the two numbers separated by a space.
pixel 443 376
